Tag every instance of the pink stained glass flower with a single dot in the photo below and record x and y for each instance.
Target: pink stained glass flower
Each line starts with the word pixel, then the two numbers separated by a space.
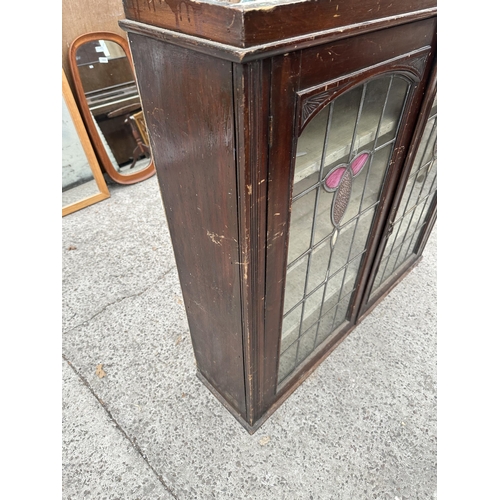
pixel 358 163
pixel 333 179
pixel 339 180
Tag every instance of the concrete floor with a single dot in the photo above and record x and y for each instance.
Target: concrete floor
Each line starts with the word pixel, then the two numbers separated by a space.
pixel 362 426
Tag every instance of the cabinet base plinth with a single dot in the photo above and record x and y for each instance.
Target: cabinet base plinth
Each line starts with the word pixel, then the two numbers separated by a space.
pixel 251 429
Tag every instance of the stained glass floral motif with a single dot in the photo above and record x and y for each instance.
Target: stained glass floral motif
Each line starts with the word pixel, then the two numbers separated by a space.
pixel 341 161
pixel 339 180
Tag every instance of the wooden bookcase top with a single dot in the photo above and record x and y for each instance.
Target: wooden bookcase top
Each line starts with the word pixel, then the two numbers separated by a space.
pixel 249 28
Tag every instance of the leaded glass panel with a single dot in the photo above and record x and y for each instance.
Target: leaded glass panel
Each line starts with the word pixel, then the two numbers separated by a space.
pixel 341 163
pixel 412 211
pixel 309 150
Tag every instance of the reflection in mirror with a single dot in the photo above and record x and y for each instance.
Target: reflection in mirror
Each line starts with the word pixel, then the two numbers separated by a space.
pixel 82 180
pixel 106 87
pixel 113 100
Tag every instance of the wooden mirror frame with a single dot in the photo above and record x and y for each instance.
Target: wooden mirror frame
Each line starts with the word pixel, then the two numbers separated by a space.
pixel 87 115
pixel 88 150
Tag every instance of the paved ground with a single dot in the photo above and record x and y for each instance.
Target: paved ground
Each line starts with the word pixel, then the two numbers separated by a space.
pixel 363 426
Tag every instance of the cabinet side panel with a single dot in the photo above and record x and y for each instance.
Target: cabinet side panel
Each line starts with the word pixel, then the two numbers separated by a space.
pixel 188 105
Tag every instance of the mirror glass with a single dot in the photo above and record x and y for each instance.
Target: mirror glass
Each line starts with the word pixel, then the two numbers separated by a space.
pixel 78 180
pixel 82 180
pixel 108 82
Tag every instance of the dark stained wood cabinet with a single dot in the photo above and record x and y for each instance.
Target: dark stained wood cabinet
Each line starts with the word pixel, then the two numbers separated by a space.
pixel 295 148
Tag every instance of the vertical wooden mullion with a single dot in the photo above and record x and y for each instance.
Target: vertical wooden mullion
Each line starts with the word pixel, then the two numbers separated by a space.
pixel 285 81
pixel 251 97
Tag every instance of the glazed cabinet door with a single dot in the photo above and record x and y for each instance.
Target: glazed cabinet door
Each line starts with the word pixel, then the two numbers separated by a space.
pixel 342 118
pixel 414 209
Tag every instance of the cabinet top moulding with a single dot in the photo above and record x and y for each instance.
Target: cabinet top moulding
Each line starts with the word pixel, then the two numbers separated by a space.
pixel 245 30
